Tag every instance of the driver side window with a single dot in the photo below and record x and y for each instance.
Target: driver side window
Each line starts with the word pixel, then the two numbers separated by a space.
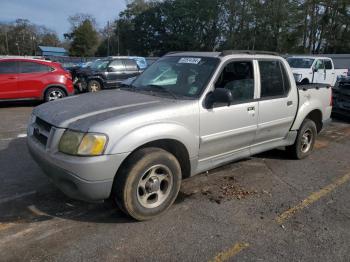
pixel 319 65
pixel 238 77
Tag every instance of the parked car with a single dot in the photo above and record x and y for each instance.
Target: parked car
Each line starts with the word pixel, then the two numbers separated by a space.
pixel 33 79
pixel 136 144
pixel 313 69
pixel 341 97
pixel 106 73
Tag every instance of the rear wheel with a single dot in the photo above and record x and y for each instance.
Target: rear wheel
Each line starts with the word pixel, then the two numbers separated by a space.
pixel 54 93
pixel 147 185
pixel 94 86
pixel 305 141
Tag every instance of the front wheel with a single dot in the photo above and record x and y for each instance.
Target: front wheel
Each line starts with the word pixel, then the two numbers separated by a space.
pixel 94 86
pixel 54 93
pixel 148 183
pixel 305 141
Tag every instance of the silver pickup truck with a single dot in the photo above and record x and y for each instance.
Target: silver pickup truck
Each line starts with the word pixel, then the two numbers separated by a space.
pixel 187 113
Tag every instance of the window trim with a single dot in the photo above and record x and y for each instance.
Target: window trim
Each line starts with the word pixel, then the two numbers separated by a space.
pixel 117 70
pixel 223 65
pixel 330 61
pixel 273 97
pixel 126 65
pixel 50 69
pixel 16 67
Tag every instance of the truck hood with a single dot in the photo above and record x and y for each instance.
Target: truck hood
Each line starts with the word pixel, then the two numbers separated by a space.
pixel 82 111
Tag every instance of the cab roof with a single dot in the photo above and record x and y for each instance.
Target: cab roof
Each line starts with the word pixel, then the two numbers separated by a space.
pixel 222 54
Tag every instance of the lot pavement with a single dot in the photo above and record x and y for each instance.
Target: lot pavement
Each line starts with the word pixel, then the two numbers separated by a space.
pixel 265 208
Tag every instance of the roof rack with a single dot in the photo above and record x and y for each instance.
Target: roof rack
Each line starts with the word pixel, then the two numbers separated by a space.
pixel 249 52
pixel 175 52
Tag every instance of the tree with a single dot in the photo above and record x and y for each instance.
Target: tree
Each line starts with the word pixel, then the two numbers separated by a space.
pixel 83 35
pixel 285 26
pixel 85 40
pixel 22 37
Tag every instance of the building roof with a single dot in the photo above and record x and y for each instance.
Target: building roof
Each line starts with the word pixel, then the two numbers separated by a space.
pixel 52 49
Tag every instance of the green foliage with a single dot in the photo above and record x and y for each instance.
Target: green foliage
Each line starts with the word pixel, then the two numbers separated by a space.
pixel 286 26
pixel 84 40
pixel 22 37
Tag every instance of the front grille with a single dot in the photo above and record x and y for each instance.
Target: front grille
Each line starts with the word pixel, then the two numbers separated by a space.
pixel 41 130
pixel 43 124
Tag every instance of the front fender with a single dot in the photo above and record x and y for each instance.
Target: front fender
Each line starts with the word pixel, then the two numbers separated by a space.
pixel 153 132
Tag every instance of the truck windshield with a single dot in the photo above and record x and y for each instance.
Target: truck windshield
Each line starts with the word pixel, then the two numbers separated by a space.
pixel 300 62
pixel 178 76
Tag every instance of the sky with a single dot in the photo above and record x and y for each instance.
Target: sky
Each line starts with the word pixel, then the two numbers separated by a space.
pixel 54 13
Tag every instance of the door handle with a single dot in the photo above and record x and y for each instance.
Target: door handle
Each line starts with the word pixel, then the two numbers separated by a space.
pixel 12 78
pixel 289 103
pixel 251 108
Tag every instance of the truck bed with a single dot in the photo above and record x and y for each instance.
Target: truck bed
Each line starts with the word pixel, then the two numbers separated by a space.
pixel 317 96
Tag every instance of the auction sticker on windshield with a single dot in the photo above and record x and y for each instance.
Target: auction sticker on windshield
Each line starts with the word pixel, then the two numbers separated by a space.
pixel 189 60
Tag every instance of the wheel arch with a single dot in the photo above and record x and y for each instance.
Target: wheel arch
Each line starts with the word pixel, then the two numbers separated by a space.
pixel 314 115
pixel 60 86
pixel 305 80
pixel 95 78
pixel 173 146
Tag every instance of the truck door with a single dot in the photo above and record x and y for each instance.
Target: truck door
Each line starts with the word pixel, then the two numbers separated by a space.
pixel 277 105
pixel 131 68
pixel 228 131
pixel 330 74
pixel 319 72
pixel 116 72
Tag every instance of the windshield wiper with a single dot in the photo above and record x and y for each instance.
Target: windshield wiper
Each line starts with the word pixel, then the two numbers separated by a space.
pixel 163 89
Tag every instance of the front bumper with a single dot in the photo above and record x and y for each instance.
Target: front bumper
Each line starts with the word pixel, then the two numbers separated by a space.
pixel 83 178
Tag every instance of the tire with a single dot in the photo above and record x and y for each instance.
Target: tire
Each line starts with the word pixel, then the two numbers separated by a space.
pixel 54 93
pixel 94 86
pixel 147 184
pixel 305 141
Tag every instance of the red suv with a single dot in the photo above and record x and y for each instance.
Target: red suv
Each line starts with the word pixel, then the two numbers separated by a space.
pixel 33 79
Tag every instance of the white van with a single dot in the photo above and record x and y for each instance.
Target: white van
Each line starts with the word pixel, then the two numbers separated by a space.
pixel 312 69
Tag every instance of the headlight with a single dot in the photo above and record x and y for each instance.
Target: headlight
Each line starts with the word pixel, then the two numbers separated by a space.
pixel 297 77
pixel 82 144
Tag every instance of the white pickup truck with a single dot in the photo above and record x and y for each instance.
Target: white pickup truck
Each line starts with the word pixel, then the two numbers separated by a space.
pixel 314 69
pixel 187 113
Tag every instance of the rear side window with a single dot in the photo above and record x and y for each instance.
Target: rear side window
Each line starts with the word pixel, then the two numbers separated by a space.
pixel 131 65
pixel 274 79
pixel 117 65
pixel 32 67
pixel 9 67
pixel 328 64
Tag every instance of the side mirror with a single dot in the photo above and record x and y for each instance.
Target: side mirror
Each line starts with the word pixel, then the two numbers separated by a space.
pixel 315 70
pixel 219 95
pixel 110 69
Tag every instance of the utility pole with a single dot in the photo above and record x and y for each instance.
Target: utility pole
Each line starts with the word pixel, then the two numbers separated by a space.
pixel 18 48
pixel 7 42
pixel 118 36
pixel 108 38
